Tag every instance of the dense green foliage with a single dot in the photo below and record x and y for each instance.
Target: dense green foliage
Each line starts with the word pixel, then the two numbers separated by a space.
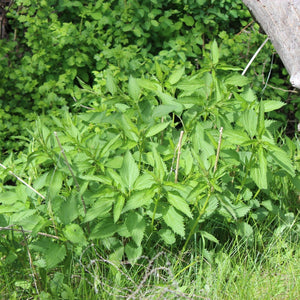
pixel 139 134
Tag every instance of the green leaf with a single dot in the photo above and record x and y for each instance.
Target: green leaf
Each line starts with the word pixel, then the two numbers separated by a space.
pixel 237 80
pixel 163 110
pixel 68 211
pixel 237 137
pixel 281 158
pixel 55 184
pixel 149 84
pixel 209 236
pixel 157 128
pixel 174 220
pixel 144 181
pixel 261 120
pixel 249 121
pixel 159 166
pixel 244 230
pixel 133 89
pixel 75 234
pixel 104 229
pixel 118 206
pixel 179 203
pixel 99 210
pixel 188 20
pixel 159 73
pixel 139 199
pixel 129 171
pixel 176 75
pixel 259 173
pixel 110 84
pixel 214 52
pixel 167 236
pixel 136 225
pixel 270 105
pixel 133 252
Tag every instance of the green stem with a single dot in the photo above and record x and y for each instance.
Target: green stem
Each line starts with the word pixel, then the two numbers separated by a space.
pixel 202 211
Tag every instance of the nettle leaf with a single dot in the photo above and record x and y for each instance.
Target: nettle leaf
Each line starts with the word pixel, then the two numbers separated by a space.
pixel 129 171
pixel 110 84
pixel 174 220
pixel 249 121
pixel 104 229
pixel 167 236
pixel 144 181
pixel 159 165
pixel 133 252
pixel 209 236
pixel 244 230
pixel 52 252
pixel 157 128
pixel 139 199
pixel 118 207
pixel 75 234
pixel 99 210
pixel 237 137
pixel 69 211
pixel 281 158
pixel 179 203
pixel 237 80
pixel 214 52
pixel 176 76
pixel 149 84
pixel 136 225
pixel 134 89
pixel 259 174
pixel 270 105
pixel 55 184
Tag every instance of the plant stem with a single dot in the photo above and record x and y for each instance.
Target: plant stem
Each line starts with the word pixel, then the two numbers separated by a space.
pixel 21 180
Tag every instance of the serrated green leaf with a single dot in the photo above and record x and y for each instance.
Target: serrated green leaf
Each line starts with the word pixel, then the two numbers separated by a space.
pixel 55 184
pixel 149 84
pixel 209 236
pixel 259 173
pixel 270 105
pixel 133 252
pixel 167 236
pixel 163 110
pixel 134 89
pixel 237 137
pixel 237 80
pixel 104 229
pixel 174 220
pixel 249 121
pixel 214 52
pixel 99 210
pixel 143 182
pixel 69 211
pixel 136 225
pixel 75 234
pixel 179 203
pixel 159 73
pixel 244 230
pixel 139 199
pixel 110 84
pixel 281 158
pixel 159 166
pixel 129 171
pixel 118 206
pixel 176 75
pixel 157 128
pixel 261 120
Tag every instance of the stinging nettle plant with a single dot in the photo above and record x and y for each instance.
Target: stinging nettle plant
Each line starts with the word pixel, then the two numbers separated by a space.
pixel 107 175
